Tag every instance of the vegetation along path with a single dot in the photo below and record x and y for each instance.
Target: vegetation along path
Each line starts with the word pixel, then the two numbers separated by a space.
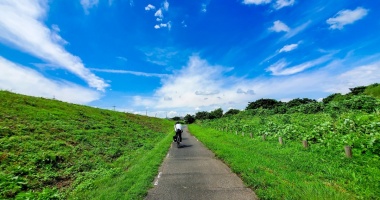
pixel 193 172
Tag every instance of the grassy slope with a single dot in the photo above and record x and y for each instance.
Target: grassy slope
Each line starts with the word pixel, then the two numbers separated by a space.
pixel 52 150
pixel 292 172
pixel 373 90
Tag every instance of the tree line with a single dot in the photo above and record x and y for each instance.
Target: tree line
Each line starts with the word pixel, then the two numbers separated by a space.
pixel 359 98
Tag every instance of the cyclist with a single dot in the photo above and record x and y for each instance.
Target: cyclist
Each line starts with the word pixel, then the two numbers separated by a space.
pixel 178 130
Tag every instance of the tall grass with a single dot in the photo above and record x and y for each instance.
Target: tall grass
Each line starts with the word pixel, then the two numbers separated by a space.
pixel 290 171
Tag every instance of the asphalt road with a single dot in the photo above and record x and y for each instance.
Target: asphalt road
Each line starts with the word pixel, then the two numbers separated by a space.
pixel 193 172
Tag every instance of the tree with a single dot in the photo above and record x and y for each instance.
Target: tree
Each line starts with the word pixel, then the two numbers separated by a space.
pixel 263 103
pixel 189 119
pixel 231 112
pixel 216 114
pixel 202 115
pixel 176 118
pixel 357 90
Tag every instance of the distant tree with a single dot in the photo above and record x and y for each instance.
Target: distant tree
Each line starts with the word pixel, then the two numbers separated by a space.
pixel 216 114
pixel 189 119
pixel 298 102
pixel 231 112
pixel 202 115
pixel 357 90
pixel 176 118
pixel 263 103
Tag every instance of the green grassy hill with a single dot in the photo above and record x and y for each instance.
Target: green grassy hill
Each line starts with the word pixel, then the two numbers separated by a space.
pixel 55 150
pixel 373 90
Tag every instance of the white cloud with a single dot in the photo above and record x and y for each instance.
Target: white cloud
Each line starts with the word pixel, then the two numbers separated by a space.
pixel 279 68
pixel 288 48
pixel 256 2
pixel 55 36
pixel 279 26
pixel 21 27
pixel 159 14
pixel 297 30
pixel 166 5
pixel 27 81
pixel 359 76
pixel 87 4
pixel 114 71
pixel 283 3
pixel 178 91
pixel 345 17
pixel 150 7
pixel 163 25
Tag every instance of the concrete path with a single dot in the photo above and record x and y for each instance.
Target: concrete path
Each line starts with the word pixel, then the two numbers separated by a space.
pixel 193 172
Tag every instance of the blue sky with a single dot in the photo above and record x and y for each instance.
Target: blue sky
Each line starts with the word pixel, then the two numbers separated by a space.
pixel 170 58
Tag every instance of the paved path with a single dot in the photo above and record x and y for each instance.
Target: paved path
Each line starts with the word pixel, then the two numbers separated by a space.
pixel 193 172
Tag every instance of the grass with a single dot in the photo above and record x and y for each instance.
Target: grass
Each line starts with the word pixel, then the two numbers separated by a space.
pixel 373 90
pixel 55 150
pixel 289 171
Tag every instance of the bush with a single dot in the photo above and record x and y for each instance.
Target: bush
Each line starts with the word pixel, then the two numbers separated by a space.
pixel 363 102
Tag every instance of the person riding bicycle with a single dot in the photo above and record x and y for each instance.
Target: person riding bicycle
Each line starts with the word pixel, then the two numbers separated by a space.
pixel 178 131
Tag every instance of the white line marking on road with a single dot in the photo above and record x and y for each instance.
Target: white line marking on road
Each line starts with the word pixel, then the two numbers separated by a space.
pixel 167 155
pixel 158 177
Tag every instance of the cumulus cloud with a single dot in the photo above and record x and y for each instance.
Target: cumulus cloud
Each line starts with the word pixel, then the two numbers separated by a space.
pixel 21 26
pixel 345 17
pixel 199 75
pixel 256 2
pixel 150 7
pixel 163 25
pixel 279 26
pixel 21 79
pixel 288 48
pixel 283 3
pixel 159 15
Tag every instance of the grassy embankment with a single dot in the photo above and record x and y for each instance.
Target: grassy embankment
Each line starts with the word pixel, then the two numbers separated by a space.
pixel 290 171
pixel 55 150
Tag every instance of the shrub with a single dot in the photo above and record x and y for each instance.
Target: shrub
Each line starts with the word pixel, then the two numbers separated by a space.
pixel 363 102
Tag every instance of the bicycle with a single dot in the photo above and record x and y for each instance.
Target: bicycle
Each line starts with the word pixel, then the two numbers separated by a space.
pixel 178 139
